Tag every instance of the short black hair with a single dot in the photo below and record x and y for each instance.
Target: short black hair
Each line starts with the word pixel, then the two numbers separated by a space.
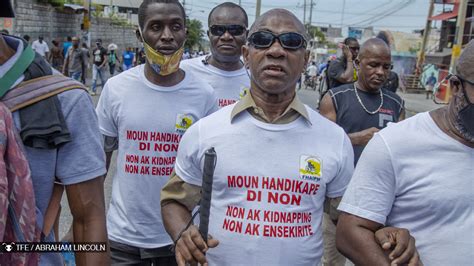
pixel 350 39
pixel 146 3
pixel 26 37
pixel 228 5
pixel 69 38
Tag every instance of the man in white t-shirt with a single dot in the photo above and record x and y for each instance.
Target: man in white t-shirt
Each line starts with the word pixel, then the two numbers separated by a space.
pixel 312 72
pixel 223 68
pixel 277 160
pixel 41 47
pixel 418 174
pixel 144 112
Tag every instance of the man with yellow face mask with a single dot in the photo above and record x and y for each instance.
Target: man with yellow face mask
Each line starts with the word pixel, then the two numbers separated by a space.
pixel 143 112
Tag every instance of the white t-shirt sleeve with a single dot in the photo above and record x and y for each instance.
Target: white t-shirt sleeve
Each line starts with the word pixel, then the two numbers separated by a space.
pixel 188 160
pixel 371 192
pixel 107 114
pixel 337 186
pixel 46 48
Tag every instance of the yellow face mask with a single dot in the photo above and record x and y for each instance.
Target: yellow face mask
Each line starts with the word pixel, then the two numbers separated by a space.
pixel 162 64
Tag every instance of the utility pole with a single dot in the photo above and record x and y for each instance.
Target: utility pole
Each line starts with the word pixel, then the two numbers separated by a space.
pixel 304 11
pixel 86 22
pixel 259 5
pixel 426 33
pixel 311 12
pixel 458 38
pixel 342 14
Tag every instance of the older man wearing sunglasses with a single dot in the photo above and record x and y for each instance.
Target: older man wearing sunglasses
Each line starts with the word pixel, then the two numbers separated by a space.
pixel 269 184
pixel 223 69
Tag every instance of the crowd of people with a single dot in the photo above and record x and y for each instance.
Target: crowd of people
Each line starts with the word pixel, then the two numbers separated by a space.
pixel 291 185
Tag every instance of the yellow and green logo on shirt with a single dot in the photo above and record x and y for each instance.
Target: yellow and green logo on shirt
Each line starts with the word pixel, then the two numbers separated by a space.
pixel 310 167
pixel 183 122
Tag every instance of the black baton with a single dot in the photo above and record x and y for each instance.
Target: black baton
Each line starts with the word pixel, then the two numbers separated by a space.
pixel 210 158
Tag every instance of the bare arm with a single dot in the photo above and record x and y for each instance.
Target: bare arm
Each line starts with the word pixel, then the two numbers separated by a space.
pixel 106 59
pixel 355 240
pixel 402 115
pixel 175 218
pixel 362 137
pixel 177 200
pixel 326 108
pixel 66 65
pixel 348 75
pixel 365 242
pixel 87 204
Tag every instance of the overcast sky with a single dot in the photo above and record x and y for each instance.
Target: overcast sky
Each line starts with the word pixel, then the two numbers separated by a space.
pixel 395 15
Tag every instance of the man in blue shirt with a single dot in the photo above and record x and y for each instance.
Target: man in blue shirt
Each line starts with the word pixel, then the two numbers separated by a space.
pixel 66 45
pixel 127 57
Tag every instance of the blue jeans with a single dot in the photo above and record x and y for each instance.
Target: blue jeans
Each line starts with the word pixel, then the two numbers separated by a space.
pixel 96 71
pixel 75 75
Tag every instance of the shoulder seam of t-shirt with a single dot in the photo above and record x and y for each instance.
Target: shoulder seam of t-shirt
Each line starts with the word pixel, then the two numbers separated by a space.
pixel 346 90
pixel 333 96
pixel 394 99
pixel 83 94
pixel 333 99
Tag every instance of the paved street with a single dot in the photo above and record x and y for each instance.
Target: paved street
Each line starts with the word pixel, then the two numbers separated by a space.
pixel 414 103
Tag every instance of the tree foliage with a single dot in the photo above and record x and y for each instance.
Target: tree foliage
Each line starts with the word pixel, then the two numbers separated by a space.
pixel 195 33
pixel 315 32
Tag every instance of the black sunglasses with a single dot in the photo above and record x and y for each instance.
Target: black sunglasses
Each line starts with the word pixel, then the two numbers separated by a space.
pixel 288 40
pixel 234 30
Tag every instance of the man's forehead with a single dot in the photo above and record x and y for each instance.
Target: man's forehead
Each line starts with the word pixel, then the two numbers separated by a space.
pixel 163 12
pixel 227 15
pixel 376 58
pixel 279 23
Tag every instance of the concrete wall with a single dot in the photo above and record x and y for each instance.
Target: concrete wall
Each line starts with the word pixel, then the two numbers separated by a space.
pixel 36 19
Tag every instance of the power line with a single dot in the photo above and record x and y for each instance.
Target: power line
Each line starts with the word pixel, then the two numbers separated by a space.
pixel 385 13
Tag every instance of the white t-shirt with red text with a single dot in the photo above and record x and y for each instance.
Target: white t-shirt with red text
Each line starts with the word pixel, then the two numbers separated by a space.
pixel 149 121
pixel 269 184
pixel 230 86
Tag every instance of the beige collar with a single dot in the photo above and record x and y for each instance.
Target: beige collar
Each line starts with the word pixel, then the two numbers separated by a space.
pixel 292 112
